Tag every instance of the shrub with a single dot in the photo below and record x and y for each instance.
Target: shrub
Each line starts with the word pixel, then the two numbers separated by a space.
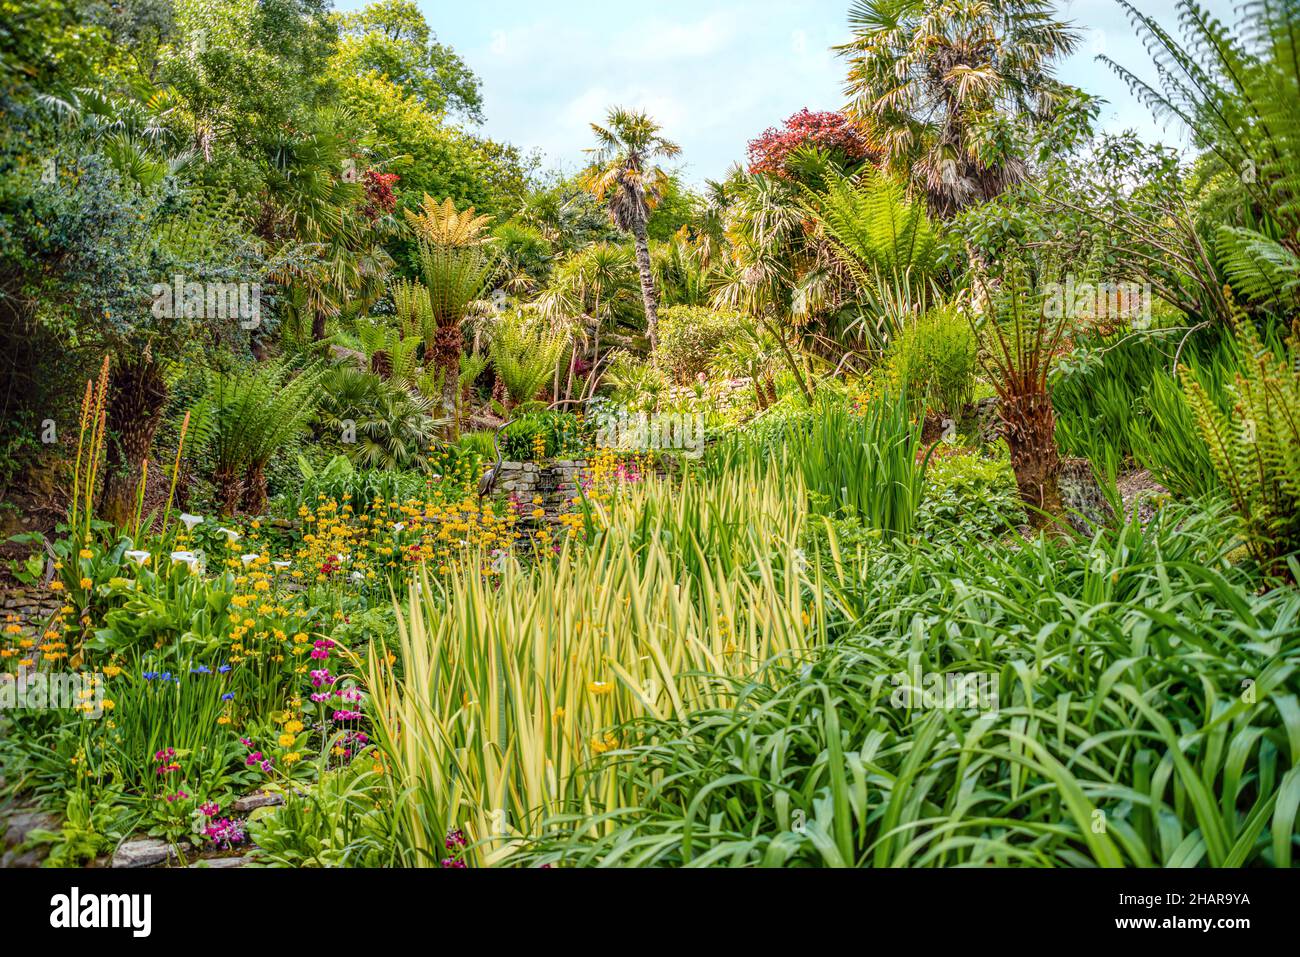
pixel 689 336
pixel 969 492
pixel 539 435
pixel 378 424
pixel 935 358
pixel 525 351
pixel 831 132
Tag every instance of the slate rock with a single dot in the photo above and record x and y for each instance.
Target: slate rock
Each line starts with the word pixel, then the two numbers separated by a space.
pixel 251 802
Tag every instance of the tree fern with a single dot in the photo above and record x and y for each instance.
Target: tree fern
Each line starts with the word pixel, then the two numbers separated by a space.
pixel 249 415
pixel 524 353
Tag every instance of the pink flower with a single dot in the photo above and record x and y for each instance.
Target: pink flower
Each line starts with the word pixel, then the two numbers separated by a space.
pixel 225 832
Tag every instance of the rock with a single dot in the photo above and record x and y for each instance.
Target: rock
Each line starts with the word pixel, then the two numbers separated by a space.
pixel 989 418
pixel 251 802
pixel 24 822
pixel 145 852
pixel 1086 507
pixel 32 858
pixel 220 863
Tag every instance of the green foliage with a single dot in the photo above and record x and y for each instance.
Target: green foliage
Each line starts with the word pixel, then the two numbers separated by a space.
pixel 454 277
pixel 1256 447
pixel 634 383
pixel 1167 443
pixel 391 38
pixel 86 831
pixel 339 823
pixel 599 280
pixel 378 424
pixel 972 494
pixel 388 351
pixel 340 481
pixel 1110 668
pixel 689 338
pixel 867 464
pixel 250 414
pixel 526 256
pixel 525 351
pixel 1237 95
pixel 554 433
pixel 875 229
pixel 933 358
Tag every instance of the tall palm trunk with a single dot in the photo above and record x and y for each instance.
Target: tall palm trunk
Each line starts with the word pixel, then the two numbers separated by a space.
pixel 642 242
pixel 137 397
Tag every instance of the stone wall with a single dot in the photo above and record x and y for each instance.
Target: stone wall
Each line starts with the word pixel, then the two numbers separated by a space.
pixel 29 605
pixel 556 482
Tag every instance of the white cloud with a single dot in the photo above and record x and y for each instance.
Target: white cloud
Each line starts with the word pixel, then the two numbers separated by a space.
pixel 664 40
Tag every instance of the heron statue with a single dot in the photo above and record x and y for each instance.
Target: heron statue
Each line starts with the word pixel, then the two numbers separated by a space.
pixel 489 480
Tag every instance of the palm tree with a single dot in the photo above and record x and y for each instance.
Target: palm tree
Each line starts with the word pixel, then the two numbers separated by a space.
pixel 623 175
pixel 945 89
pixel 595 285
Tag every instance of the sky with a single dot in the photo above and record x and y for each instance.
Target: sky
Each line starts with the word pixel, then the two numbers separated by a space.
pixel 715 73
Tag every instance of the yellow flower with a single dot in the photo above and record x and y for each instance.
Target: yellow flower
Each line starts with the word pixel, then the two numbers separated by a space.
pixel 85 553
pixel 224 719
pixel 600 688
pixel 87 582
pixel 292 758
pixel 108 705
pixel 286 740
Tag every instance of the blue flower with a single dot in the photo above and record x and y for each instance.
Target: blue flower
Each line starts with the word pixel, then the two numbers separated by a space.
pixel 228 696
pixel 149 675
pixel 223 669
pixel 201 670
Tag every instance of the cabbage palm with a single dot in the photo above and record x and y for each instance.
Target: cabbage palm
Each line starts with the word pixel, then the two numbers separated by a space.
pixel 943 89
pixel 624 175
pixel 598 284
